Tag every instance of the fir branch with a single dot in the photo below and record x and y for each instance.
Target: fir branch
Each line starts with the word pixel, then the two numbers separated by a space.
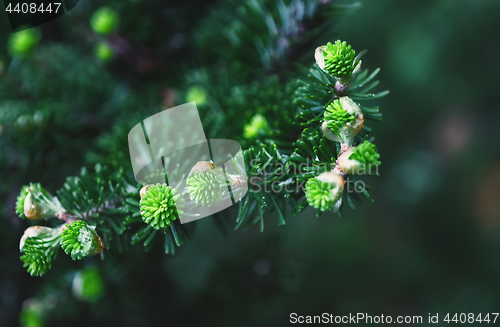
pixel 308 152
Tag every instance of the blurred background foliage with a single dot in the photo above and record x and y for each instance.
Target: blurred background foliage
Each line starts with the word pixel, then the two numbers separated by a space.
pixel 429 242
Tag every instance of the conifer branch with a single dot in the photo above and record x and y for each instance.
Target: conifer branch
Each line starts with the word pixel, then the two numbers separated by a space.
pixel 306 144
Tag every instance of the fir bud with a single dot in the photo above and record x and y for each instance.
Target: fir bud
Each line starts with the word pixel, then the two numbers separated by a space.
pixel 160 205
pixel 33 313
pixel 207 187
pixel 38 231
pixel 79 240
pixel 35 202
pixel 22 43
pixel 343 120
pixel 104 52
pixel 258 125
pixel 360 160
pixel 196 94
pixel 88 284
pixel 324 192
pixel 104 20
pixel 206 183
pixel 39 246
pixel 338 59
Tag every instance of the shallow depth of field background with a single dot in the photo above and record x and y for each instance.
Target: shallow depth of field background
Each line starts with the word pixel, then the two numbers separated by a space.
pixel 430 243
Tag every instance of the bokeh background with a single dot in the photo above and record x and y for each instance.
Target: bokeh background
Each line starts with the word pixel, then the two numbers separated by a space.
pixel 428 244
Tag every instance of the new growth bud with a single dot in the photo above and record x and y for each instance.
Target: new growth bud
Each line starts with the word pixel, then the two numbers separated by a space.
pixel 88 284
pixel 338 59
pixel 22 43
pixel 258 125
pixel 39 246
pixel 360 160
pixel 38 231
pixel 79 240
pixel 35 202
pixel 343 120
pixel 104 52
pixel 206 183
pixel 160 205
pixel 104 20
pixel 324 192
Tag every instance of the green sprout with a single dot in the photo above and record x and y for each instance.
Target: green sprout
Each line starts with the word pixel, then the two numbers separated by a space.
pixel 22 43
pixel 88 284
pixel 39 246
pixel 33 313
pixel 20 199
pixel 34 202
pixel 324 192
pixel 337 117
pixel 343 120
pixel 196 94
pixel 340 59
pixel 104 20
pixel 258 125
pixel 103 51
pixel 206 187
pixel 161 205
pixel 366 153
pixel 359 160
pixel 79 240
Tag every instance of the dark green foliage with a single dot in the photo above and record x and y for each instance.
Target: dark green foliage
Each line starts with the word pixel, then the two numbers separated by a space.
pixel 73 74
pixel 313 155
pixel 281 28
pixel 99 197
pixel 267 172
pixel 318 91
